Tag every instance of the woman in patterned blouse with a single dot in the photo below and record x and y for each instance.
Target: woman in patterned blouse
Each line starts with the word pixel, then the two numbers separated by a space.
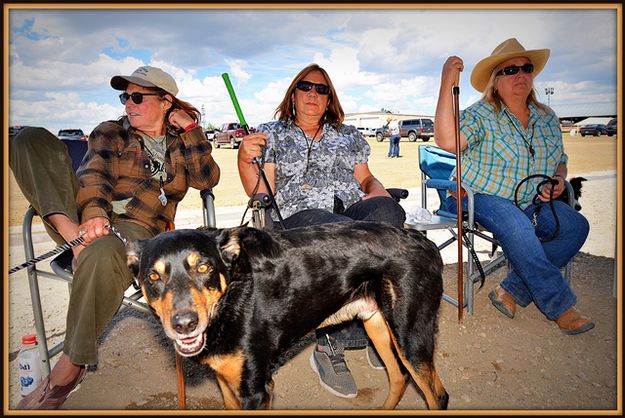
pixel 317 167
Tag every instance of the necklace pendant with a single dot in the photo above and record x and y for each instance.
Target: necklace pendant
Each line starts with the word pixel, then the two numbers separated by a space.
pixel 162 197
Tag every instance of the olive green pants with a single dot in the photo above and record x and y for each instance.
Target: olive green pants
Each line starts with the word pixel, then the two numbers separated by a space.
pixel 43 170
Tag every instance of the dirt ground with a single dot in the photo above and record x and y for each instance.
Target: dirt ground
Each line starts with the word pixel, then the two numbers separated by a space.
pixel 487 362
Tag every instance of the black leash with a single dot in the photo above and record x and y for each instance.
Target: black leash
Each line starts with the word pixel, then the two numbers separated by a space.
pixel 60 249
pixel 536 201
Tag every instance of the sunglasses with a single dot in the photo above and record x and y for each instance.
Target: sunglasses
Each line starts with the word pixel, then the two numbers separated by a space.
pixel 136 97
pixel 308 85
pixel 514 69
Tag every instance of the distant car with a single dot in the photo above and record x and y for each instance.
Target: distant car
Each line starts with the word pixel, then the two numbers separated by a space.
pixel 210 133
pixel 382 132
pixel 366 131
pixel 230 133
pixel 72 135
pixel 13 130
pixel 611 127
pixel 422 128
pixel 594 130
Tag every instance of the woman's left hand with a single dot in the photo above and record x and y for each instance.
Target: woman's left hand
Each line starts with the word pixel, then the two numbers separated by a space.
pixel 180 119
pixel 557 190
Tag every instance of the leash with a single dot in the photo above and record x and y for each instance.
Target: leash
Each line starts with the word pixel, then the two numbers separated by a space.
pixel 60 249
pixel 456 108
pixel 536 201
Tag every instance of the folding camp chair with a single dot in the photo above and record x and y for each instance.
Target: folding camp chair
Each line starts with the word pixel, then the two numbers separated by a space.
pixel 62 265
pixel 436 166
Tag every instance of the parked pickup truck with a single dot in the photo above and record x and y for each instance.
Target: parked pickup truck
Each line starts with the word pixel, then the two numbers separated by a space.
pixel 229 133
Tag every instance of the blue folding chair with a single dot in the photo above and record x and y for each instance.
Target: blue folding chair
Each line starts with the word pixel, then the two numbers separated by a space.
pixel 436 166
pixel 61 265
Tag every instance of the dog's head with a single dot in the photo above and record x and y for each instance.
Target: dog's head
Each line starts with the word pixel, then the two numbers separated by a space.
pixel 576 184
pixel 183 275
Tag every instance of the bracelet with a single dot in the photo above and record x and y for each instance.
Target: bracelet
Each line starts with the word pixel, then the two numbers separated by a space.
pixel 557 175
pixel 190 126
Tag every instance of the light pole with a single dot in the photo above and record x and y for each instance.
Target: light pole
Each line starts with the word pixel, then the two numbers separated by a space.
pixel 203 113
pixel 549 93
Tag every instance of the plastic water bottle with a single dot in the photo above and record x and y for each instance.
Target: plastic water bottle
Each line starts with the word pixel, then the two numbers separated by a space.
pixel 29 363
pixel 420 215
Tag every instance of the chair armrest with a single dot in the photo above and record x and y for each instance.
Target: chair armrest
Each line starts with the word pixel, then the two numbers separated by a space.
pixel 397 194
pixel 208 203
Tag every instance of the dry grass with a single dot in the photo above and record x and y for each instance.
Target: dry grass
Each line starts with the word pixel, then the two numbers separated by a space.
pixel 585 155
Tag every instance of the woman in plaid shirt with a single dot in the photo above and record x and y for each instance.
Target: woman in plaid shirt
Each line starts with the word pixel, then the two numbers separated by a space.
pixel 135 172
pixel 505 137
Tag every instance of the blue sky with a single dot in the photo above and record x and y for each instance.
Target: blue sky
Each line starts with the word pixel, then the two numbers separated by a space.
pixel 61 61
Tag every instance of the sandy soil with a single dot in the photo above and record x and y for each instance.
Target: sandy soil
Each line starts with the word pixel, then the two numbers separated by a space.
pixel 486 362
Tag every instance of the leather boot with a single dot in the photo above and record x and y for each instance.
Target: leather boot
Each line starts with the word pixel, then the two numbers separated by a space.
pixel 571 322
pixel 503 301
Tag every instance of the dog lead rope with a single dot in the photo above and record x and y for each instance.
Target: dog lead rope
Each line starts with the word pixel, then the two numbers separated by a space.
pixel 61 248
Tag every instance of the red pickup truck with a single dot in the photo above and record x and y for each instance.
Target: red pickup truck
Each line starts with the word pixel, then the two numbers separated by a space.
pixel 230 133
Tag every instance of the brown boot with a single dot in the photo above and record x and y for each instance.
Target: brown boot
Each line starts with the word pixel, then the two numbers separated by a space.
pixel 571 322
pixel 503 301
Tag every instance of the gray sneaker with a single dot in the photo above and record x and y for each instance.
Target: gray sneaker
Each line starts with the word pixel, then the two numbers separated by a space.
pixel 334 375
pixel 373 358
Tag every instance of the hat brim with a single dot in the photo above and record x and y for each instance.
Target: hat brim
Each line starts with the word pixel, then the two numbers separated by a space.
pixel 483 69
pixel 120 82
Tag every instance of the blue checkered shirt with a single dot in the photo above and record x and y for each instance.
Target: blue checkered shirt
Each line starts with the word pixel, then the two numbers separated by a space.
pixel 499 156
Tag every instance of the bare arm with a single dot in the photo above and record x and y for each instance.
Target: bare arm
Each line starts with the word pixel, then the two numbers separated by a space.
pixel 369 184
pixel 444 127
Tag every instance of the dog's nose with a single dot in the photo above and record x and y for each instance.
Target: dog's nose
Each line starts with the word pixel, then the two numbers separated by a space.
pixel 185 322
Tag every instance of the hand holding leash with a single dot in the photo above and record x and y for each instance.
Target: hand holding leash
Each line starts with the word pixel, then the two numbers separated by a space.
pixel 73 243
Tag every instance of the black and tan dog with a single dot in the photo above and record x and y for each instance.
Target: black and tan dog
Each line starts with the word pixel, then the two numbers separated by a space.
pixel 241 297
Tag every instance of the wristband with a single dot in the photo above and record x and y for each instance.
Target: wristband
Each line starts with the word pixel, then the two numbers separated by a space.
pixel 557 175
pixel 190 126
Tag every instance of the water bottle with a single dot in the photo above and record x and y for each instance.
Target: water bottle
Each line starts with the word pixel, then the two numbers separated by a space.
pixel 29 363
pixel 420 215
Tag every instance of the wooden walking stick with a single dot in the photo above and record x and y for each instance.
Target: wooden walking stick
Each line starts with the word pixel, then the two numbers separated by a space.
pixel 182 397
pixel 456 94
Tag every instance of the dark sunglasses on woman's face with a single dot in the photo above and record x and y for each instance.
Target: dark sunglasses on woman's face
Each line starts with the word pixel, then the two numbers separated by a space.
pixel 308 85
pixel 514 69
pixel 136 97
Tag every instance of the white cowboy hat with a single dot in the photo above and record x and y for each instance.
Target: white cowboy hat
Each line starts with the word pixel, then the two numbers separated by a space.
pixel 510 48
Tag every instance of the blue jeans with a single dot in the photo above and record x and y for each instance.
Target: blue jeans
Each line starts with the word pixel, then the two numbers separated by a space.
pixel 376 209
pixel 535 266
pixel 393 146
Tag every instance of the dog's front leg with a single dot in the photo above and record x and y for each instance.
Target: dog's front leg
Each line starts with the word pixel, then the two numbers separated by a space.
pixel 231 401
pixel 256 388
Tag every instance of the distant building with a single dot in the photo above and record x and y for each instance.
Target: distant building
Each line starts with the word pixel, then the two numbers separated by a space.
pixel 377 119
pixel 576 112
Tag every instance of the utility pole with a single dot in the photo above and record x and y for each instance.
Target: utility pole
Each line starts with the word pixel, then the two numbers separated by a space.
pixel 549 93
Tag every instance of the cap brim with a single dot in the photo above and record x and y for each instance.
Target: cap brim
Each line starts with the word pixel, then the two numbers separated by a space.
pixel 483 69
pixel 120 82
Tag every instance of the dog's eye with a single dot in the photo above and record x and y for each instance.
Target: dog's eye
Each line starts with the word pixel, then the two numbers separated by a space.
pixel 154 276
pixel 203 268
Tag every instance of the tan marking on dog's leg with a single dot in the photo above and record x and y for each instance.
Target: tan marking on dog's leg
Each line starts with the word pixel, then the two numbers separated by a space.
pixel 229 368
pixel 231 401
pixel 270 386
pixel 380 334
pixel 425 377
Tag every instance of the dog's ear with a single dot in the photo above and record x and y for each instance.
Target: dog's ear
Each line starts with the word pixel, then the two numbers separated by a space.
pixel 228 245
pixel 133 255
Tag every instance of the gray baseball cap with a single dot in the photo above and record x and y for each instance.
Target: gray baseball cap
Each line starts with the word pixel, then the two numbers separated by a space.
pixel 146 76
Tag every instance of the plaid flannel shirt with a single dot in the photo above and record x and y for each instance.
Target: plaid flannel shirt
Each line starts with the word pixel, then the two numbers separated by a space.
pixel 498 156
pixel 116 167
